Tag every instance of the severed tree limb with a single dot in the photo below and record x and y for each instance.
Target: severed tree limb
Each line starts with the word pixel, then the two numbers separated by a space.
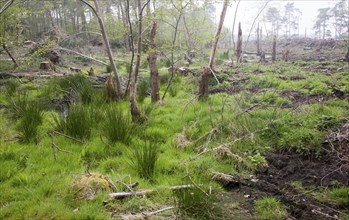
pixel 82 55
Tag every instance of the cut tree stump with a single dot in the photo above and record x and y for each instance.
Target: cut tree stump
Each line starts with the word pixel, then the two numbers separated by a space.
pixel 46 66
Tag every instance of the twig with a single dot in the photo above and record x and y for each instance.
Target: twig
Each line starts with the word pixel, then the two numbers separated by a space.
pixel 53 146
pixel 213 130
pixel 65 151
pixel 191 180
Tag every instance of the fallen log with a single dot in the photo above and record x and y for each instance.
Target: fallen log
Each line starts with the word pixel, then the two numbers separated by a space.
pixel 228 181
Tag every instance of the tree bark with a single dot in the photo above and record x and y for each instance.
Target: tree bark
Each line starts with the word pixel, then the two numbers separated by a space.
pixel 107 46
pixel 154 73
pixel 239 45
pixel 203 87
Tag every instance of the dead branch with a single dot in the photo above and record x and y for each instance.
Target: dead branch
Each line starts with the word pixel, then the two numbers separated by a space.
pixel 67 136
pixel 55 147
pixel 324 214
pixel 158 211
pixel 144 215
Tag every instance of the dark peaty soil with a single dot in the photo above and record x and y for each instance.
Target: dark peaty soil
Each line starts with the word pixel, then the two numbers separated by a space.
pixel 330 170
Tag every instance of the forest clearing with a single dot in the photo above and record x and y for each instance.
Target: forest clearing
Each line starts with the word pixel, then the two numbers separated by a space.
pixel 149 109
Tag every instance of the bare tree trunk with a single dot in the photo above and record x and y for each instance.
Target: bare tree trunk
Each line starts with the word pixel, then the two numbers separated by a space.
pixel 107 46
pixel 258 43
pixel 260 40
pixel 135 112
pixel 239 45
pixel 127 89
pixel 203 87
pixel 273 57
pixel 124 23
pixel 232 32
pixel 154 73
pixel 10 54
pixel 211 63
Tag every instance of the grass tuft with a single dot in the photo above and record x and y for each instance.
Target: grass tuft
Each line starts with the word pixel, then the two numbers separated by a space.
pixel 117 125
pixel 144 157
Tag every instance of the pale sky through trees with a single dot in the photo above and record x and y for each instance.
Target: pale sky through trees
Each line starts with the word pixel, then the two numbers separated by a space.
pixel 249 8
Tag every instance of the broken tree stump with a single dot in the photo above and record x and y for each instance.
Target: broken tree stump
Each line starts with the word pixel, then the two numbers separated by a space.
pixel 91 72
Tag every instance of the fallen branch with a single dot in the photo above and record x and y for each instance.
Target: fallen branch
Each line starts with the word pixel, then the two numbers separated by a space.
pixel 82 55
pixel 158 211
pixel 144 215
pixel 122 195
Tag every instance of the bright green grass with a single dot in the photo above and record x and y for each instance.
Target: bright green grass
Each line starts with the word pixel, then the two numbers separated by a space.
pixel 33 185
